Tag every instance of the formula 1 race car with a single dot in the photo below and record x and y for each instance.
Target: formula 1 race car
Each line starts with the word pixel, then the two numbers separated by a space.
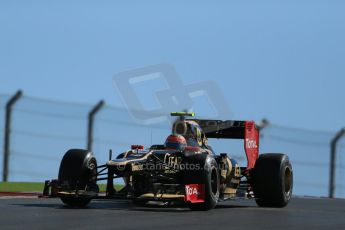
pixel 184 169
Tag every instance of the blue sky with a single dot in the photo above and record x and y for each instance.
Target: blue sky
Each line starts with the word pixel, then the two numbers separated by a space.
pixel 283 60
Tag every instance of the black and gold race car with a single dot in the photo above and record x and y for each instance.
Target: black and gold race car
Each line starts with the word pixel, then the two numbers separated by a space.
pixel 184 169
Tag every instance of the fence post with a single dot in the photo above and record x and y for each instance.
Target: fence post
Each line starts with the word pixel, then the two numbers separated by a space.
pixel 334 142
pixel 7 132
pixel 263 124
pixel 91 119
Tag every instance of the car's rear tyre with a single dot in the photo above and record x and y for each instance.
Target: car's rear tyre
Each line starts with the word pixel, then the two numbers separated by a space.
pixel 78 171
pixel 273 180
pixel 210 177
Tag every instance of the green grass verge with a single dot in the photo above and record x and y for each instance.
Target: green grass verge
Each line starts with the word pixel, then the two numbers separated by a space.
pixel 21 187
pixel 34 187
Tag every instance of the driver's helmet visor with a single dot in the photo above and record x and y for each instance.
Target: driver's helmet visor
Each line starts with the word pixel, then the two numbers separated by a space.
pixel 175 145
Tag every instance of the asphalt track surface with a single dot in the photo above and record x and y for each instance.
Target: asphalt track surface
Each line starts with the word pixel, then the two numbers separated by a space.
pixel 302 213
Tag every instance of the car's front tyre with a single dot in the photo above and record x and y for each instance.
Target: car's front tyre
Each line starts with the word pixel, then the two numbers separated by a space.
pixel 210 178
pixel 78 172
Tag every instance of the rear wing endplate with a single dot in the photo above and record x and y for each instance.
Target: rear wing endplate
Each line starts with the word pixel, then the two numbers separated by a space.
pixel 229 129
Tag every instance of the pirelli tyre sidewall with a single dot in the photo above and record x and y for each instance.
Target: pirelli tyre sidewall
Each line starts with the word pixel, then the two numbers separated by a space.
pixel 78 171
pixel 273 180
pixel 208 175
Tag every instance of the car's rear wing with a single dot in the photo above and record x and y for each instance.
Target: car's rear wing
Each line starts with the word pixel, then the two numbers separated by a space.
pixel 246 130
